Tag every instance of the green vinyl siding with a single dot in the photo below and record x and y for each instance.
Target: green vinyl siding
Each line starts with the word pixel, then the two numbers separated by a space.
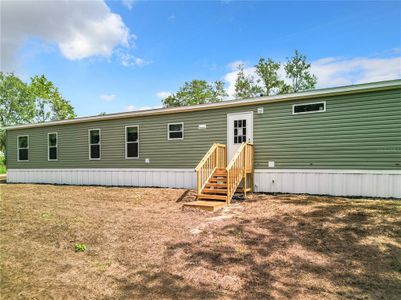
pixel 358 131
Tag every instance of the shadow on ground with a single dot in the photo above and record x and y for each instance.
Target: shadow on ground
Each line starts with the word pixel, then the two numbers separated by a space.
pixel 331 248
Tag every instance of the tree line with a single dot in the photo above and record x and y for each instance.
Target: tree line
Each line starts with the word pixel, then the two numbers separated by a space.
pixel 268 82
pixel 38 100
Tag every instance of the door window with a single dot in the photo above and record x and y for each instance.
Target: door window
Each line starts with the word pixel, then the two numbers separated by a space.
pixel 239 131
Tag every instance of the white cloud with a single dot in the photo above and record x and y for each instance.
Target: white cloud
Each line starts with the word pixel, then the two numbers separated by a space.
pixel 233 66
pixel 128 60
pixel 333 71
pixel 80 29
pixel 150 107
pixel 130 107
pixel 108 98
pixel 171 18
pixel 128 4
pixel 231 76
pixel 163 94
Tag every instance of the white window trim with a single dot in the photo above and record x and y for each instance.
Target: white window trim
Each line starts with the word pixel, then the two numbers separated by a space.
pixel 100 143
pixel 125 141
pixel 48 146
pixel 18 148
pixel 308 112
pixel 168 131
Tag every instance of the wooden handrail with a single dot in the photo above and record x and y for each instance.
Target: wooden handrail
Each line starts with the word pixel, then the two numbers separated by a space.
pixel 215 158
pixel 239 166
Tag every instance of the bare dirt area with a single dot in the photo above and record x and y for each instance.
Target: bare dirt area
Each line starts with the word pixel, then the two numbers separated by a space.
pixel 142 244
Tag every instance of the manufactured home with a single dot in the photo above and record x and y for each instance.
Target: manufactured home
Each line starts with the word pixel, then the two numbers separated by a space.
pixel 335 141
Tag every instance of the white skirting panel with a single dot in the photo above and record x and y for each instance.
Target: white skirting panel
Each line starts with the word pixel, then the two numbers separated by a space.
pixel 174 178
pixel 367 183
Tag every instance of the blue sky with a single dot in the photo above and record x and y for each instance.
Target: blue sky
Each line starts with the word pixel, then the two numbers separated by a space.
pixel 141 50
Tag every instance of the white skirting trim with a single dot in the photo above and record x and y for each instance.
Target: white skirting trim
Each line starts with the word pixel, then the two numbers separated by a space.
pixel 173 178
pixel 367 183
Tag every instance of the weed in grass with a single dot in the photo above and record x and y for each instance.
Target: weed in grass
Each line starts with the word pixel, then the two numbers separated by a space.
pixel 79 247
pixel 219 241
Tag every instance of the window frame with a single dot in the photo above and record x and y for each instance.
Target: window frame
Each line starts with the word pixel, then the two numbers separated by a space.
pixel 168 131
pixel 48 146
pixel 308 112
pixel 90 144
pixel 126 142
pixel 18 148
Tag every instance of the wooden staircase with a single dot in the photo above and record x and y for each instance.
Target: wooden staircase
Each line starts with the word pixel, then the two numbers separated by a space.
pixel 216 187
pixel 217 182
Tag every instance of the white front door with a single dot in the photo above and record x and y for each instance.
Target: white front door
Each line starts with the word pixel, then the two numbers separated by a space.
pixel 239 130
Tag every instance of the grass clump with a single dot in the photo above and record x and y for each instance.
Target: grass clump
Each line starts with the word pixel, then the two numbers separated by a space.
pixel 78 247
pixel 3 169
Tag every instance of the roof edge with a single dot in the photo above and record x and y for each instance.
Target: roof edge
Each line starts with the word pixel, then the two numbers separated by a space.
pixel 326 92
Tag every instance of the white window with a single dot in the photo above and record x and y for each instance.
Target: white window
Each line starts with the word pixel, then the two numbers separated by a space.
pixel 308 108
pixel 94 144
pixel 131 142
pixel 52 145
pixel 23 148
pixel 175 131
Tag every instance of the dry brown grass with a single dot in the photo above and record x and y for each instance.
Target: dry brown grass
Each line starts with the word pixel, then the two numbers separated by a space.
pixel 142 244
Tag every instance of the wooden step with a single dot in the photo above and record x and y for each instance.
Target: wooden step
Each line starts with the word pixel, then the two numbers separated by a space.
pixel 206 205
pixel 214 191
pixel 212 197
pixel 216 185
pixel 218 180
pixel 216 173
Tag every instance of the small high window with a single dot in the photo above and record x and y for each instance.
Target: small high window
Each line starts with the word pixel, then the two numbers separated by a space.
pixel 175 131
pixel 131 142
pixel 23 147
pixel 52 142
pixel 309 108
pixel 94 144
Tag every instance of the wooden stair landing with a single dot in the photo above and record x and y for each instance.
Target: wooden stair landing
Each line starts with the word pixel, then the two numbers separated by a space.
pixel 206 205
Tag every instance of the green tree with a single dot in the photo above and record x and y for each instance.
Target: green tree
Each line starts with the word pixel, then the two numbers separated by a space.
pixel 245 85
pixel 297 70
pixel 36 101
pixel 270 81
pixel 16 104
pixel 196 92
pixel 50 105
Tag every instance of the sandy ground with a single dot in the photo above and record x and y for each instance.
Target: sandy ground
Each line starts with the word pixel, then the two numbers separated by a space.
pixel 142 244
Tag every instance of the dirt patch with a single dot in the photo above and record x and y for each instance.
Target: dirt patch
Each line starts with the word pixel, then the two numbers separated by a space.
pixel 142 244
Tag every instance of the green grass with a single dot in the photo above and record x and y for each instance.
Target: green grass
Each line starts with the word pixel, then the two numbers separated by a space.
pixel 3 169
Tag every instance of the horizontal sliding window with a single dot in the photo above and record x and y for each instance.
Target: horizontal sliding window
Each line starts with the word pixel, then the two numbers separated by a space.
pixel 175 131
pixel 131 142
pixel 23 147
pixel 52 143
pixel 309 108
pixel 94 144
